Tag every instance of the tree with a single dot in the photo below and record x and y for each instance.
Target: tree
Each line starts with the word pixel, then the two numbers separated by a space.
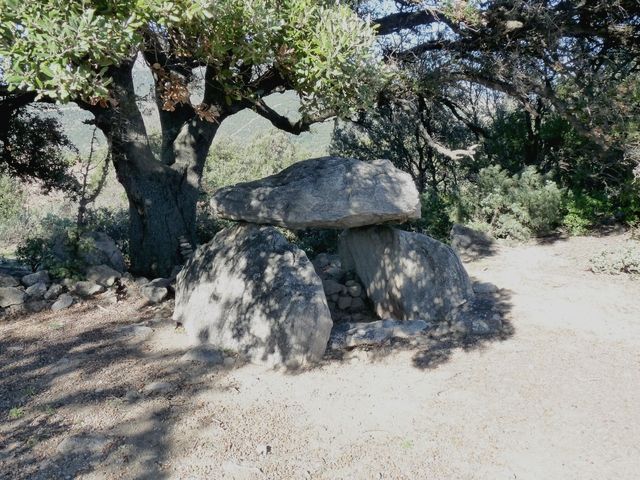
pixel 579 58
pixel 33 148
pixel 241 50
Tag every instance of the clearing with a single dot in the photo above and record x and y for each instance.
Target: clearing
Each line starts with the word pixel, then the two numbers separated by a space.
pixel 555 395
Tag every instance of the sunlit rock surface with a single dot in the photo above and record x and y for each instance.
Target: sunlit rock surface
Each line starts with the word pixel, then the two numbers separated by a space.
pixel 252 292
pixel 327 192
pixel 407 276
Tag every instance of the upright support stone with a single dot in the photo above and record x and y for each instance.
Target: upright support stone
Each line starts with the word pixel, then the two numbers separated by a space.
pixel 252 292
pixel 407 276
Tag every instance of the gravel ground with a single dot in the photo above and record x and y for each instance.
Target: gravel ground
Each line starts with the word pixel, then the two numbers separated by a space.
pixel 556 394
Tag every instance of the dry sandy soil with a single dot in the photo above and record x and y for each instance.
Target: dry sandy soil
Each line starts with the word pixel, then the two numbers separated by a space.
pixel 555 395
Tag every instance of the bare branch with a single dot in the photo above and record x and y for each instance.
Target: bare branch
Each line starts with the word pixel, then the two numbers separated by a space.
pixel 282 122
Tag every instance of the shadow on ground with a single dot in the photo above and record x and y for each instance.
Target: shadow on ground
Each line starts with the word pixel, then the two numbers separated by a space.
pixel 53 375
pixel 73 396
pixel 488 315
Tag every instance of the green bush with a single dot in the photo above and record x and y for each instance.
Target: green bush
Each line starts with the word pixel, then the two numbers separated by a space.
pixel 511 206
pixel 57 245
pixel 11 199
pixel 436 216
pixel 230 162
pixel 625 259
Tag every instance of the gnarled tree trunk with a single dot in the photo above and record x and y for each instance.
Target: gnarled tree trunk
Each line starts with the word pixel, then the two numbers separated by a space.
pixel 162 192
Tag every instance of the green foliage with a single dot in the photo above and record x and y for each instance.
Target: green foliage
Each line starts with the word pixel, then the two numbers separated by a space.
pixel 58 244
pixel 63 49
pixel 11 200
pixel 16 413
pixel 33 148
pixel 230 162
pixel 313 241
pixel 512 206
pixel 623 259
pixel 436 216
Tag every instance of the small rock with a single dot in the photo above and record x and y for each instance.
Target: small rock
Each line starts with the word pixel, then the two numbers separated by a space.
pixel 37 290
pixel 158 388
pixel 357 305
pixel 68 283
pixel 33 278
pixel 160 282
pixel 140 281
pixel 87 289
pixel 103 275
pixel 354 290
pixel 85 444
pixel 204 354
pixel 11 296
pixel 485 287
pixel 8 281
pixel 35 306
pixel 64 301
pixel 331 287
pixel 154 294
pixel 54 292
pixel 344 303
pixel 131 396
pixel 229 362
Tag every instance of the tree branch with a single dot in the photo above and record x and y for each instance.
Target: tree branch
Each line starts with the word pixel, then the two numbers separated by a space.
pixel 282 122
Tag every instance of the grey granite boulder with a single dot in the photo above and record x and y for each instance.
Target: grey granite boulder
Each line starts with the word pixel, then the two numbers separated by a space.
pixel 407 276
pixel 328 192
pixel 87 289
pixel 102 275
pixel 64 301
pixel 252 292
pixel 54 291
pixel 33 278
pixel 8 281
pixel 37 290
pixel 100 249
pixel 11 296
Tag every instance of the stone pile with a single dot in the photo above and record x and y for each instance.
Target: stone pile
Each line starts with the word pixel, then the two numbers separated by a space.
pixel 251 291
pixel 24 292
pixel 346 296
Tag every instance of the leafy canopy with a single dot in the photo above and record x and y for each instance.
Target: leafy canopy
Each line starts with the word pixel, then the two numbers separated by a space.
pixel 63 49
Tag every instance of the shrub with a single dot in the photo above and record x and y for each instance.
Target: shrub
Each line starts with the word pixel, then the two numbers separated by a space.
pixel 230 162
pixel 57 245
pixel 625 259
pixel 511 206
pixel 11 202
pixel 436 216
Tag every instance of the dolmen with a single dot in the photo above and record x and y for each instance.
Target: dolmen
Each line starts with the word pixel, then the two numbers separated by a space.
pixel 252 292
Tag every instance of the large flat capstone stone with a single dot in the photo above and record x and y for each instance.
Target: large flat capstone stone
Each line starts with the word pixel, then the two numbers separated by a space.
pixel 407 276
pixel 328 192
pixel 252 292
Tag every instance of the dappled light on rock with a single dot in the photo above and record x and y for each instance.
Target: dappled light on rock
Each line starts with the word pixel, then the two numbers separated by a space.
pixel 252 292
pixel 328 192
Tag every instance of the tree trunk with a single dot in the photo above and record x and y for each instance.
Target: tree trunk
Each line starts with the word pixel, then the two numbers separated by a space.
pixel 162 193
pixel 162 211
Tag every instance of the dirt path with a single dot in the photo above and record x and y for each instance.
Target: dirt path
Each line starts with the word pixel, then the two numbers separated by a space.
pixel 556 396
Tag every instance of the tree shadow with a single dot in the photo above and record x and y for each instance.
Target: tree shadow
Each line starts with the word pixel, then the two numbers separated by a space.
pixel 49 385
pixel 487 318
